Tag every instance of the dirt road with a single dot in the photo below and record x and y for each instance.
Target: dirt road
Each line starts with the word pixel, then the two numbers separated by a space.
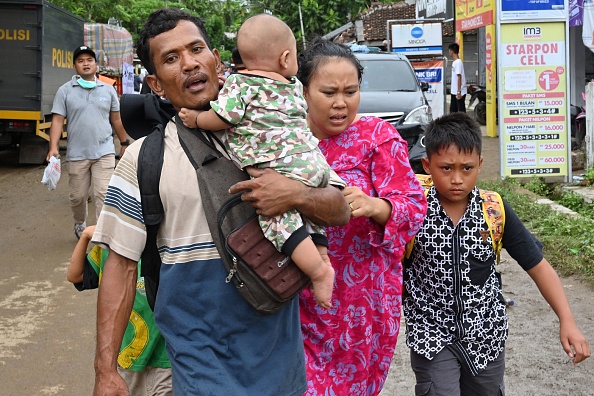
pixel 47 328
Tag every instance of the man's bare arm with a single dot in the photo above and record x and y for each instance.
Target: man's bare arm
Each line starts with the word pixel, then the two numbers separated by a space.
pixel 55 133
pixel 273 194
pixel 114 304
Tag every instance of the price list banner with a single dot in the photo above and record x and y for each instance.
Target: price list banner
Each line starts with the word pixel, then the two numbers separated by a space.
pixel 534 108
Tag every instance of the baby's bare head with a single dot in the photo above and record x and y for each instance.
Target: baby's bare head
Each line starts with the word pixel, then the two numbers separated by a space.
pixel 262 40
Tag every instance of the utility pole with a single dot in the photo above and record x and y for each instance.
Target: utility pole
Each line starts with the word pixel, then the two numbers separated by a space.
pixel 301 21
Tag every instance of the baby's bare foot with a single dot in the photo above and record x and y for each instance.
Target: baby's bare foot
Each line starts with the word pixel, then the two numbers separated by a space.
pixel 322 285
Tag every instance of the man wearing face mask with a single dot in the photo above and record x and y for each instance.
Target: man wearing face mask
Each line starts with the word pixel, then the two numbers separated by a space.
pixel 92 109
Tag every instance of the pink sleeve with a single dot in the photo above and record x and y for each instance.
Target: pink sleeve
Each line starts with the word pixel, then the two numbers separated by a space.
pixel 394 180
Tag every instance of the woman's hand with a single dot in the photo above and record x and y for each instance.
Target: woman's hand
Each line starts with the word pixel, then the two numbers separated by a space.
pixel 362 205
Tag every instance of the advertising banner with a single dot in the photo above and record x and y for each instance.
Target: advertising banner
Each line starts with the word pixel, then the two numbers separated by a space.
pixel 533 9
pixel 534 92
pixel 491 79
pixel 473 14
pixel 576 12
pixel 128 78
pixel 432 73
pixel 435 9
pixel 417 39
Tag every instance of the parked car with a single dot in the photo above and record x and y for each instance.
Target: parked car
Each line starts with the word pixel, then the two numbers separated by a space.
pixel 390 90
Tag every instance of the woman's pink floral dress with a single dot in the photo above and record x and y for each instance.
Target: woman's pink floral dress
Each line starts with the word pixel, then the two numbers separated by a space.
pixel 349 347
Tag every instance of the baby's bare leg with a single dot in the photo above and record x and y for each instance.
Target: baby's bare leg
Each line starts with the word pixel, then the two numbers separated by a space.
pixel 314 261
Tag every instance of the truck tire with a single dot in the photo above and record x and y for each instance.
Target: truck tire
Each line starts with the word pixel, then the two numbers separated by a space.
pixel 32 150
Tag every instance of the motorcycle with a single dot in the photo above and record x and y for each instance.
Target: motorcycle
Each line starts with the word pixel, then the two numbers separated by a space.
pixel 478 93
pixel 577 117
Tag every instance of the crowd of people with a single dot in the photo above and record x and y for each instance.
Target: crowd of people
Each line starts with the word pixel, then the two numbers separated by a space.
pixel 333 189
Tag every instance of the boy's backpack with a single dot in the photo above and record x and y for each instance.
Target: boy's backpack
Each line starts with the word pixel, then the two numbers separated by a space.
pixel 493 212
pixel 224 213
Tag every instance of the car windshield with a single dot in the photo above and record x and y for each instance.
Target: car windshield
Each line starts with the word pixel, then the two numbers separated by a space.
pixel 387 75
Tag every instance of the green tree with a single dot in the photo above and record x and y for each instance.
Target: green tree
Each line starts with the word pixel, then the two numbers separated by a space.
pixel 223 17
pixel 319 16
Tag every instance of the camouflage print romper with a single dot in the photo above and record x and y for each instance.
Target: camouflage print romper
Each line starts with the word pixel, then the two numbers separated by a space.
pixel 270 131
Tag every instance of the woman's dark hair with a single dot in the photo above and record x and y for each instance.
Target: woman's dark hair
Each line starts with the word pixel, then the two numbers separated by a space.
pixel 319 52
pixel 162 21
pixel 457 129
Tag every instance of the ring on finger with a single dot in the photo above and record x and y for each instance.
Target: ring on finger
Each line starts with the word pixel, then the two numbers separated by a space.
pixel 351 206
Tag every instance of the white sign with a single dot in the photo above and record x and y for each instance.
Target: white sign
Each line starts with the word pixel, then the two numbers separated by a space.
pixel 127 78
pixel 588 31
pixel 417 39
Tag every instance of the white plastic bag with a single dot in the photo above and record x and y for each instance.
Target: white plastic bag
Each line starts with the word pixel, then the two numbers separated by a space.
pixel 52 173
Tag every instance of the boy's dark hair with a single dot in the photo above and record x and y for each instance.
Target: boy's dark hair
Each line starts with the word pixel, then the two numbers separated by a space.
pixel 318 53
pixel 455 47
pixel 457 129
pixel 162 21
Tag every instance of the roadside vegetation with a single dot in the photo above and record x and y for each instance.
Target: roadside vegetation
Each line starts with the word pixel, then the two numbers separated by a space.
pixel 568 240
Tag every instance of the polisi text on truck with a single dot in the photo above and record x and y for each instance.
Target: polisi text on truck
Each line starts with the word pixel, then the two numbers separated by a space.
pixel 62 58
pixel 15 34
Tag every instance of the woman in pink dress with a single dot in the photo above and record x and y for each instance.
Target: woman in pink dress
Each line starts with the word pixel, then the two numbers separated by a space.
pixel 349 347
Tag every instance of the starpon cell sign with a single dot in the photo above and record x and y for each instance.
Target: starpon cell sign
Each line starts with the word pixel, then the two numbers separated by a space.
pixel 417 39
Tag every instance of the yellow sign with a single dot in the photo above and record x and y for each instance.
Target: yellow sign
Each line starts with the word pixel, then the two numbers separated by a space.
pixel 62 58
pixel 473 14
pixel 15 34
pixel 534 99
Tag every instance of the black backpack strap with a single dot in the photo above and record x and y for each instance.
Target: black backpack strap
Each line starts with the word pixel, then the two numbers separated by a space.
pixel 150 164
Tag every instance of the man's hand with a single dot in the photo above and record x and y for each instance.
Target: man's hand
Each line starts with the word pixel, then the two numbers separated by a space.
pixel 122 150
pixel 110 384
pixel 272 194
pixel 53 152
pixel 269 192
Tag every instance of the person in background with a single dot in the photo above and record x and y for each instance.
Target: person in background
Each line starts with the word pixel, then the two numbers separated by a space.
pixel 349 347
pixel 92 109
pixel 142 360
pixel 137 83
pixel 267 112
pixel 238 66
pixel 455 312
pixel 107 80
pixel 458 89
pixel 216 342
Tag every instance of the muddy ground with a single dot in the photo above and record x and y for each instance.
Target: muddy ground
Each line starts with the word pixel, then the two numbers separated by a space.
pixel 47 328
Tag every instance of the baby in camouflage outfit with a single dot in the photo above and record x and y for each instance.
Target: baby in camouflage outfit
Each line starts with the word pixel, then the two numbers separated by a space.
pixel 266 111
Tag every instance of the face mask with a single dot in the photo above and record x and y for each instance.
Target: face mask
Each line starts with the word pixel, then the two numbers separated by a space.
pixel 86 84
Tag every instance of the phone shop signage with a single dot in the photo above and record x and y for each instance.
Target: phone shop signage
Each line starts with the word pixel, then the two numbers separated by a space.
pixel 534 93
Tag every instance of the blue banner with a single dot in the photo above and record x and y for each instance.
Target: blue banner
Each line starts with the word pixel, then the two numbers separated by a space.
pixel 533 9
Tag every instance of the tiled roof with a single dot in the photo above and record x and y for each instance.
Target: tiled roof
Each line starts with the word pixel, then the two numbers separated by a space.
pixel 375 19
